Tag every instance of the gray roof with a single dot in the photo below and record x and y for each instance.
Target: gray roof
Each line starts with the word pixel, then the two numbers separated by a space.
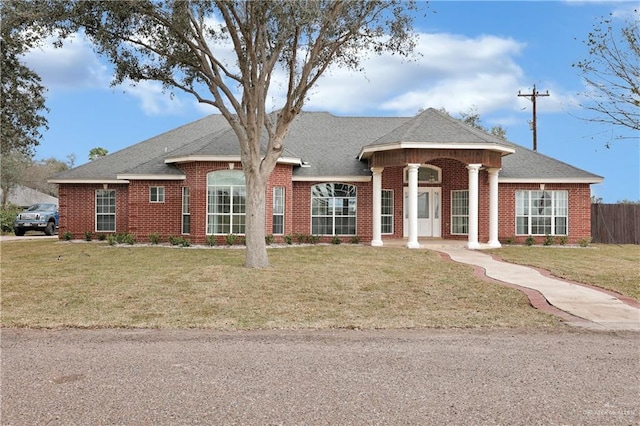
pixel 329 144
pixel 24 196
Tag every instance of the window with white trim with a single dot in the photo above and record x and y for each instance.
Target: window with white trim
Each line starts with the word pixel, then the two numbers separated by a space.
pixel 426 174
pixel 186 210
pixel 156 194
pixel 277 225
pixel 387 211
pixel 460 212
pixel 333 209
pixel 542 212
pixel 105 210
pixel 226 202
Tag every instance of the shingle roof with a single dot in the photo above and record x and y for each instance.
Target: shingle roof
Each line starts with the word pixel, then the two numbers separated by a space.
pixel 329 144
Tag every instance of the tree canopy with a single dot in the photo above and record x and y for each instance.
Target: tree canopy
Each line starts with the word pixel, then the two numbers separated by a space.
pixel 237 55
pixel 612 72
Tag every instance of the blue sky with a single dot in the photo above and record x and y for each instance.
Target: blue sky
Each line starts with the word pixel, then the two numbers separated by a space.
pixel 473 54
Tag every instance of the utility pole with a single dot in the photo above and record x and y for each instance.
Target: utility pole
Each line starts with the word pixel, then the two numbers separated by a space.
pixel 532 97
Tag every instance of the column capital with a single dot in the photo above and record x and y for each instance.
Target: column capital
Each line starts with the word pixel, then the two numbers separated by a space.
pixel 414 166
pixel 377 170
pixel 493 170
pixel 474 167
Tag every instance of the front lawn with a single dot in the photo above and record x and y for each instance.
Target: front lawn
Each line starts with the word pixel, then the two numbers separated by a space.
pixel 79 284
pixel 610 266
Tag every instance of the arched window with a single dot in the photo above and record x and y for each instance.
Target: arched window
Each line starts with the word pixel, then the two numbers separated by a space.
pixel 226 202
pixel 426 174
pixel 333 209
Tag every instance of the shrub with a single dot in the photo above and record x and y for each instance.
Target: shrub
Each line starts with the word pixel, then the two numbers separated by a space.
pixel 67 236
pixel 548 240
pixel 530 240
pixel 509 240
pixel 7 216
pixel 125 238
pixel 584 242
pixel 314 239
pixel 212 240
pixel 269 239
pixel 336 240
pixel 301 238
pixel 179 241
pixel 562 240
pixel 288 239
pixel 231 239
pixel 102 237
pixel 111 239
pixel 154 238
pixel 87 236
pixel 355 240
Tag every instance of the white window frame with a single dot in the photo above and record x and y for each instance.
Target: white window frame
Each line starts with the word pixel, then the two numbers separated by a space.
pixel 186 210
pixel 278 210
pixel 110 196
pixel 551 207
pixel 459 212
pixel 335 208
pixel 156 194
pixel 421 174
pixel 231 187
pixel 386 211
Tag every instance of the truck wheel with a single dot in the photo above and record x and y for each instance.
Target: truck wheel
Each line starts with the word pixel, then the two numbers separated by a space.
pixel 50 228
pixel 19 231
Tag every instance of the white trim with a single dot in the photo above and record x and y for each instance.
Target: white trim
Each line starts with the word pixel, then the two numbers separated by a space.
pixel 225 159
pixel 332 178
pixel 367 151
pixel 152 177
pixel 100 181
pixel 596 179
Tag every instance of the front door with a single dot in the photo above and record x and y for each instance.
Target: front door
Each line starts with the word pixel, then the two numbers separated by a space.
pixel 428 212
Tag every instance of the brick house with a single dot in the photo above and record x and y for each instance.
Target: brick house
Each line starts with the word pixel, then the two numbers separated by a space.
pixel 378 178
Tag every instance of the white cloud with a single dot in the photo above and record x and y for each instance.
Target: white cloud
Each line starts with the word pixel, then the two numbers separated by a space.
pixel 71 67
pixel 453 72
pixel 153 100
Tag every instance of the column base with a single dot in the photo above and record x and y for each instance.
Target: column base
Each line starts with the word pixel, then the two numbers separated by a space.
pixel 413 245
pixel 376 243
pixel 473 246
pixel 494 244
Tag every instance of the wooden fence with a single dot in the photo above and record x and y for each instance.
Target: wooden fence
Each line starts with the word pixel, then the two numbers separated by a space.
pixel 615 223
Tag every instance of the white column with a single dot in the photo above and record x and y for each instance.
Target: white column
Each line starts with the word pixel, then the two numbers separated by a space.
pixel 413 206
pixel 493 208
pixel 473 205
pixel 377 206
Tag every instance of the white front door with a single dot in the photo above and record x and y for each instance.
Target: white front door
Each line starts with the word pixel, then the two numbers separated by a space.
pixel 429 212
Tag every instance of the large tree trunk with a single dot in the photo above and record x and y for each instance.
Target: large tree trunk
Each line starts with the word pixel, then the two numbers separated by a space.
pixel 256 186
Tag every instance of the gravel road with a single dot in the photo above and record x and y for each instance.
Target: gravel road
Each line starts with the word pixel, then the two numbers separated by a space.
pixel 180 377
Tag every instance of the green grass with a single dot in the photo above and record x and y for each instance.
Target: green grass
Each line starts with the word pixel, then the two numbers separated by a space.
pixel 609 266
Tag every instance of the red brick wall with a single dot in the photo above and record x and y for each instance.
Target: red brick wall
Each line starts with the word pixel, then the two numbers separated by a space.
pixel 136 215
pixel 77 204
pixel 579 210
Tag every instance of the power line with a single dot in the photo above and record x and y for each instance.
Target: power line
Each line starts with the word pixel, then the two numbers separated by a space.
pixel 532 97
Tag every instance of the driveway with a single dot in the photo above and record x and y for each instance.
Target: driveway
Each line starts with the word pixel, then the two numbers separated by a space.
pixel 28 236
pixel 154 377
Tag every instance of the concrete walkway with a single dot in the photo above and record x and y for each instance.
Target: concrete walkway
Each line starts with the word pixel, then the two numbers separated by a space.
pixel 602 310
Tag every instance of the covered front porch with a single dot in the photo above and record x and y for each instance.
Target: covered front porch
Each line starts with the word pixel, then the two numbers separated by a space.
pixel 416 192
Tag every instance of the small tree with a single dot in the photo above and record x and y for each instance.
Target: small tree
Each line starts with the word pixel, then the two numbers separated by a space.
pixel 22 101
pixel 612 72
pixel 228 53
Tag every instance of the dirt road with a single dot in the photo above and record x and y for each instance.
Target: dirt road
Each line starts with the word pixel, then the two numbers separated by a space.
pixel 151 377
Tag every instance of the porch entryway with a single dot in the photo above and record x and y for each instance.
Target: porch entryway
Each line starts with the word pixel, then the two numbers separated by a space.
pixel 429 212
